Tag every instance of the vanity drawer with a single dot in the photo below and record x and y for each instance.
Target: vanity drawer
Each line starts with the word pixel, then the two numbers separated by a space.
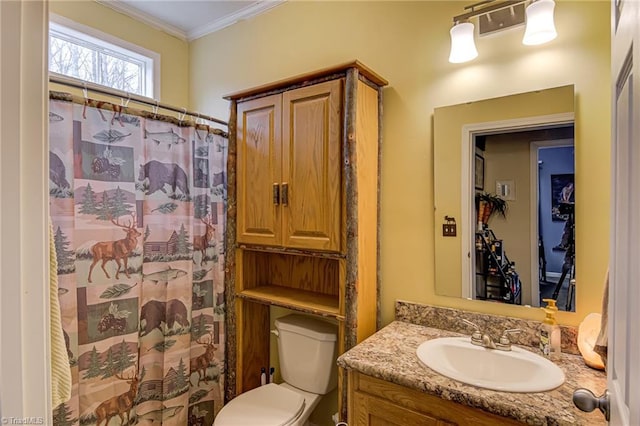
pixel 374 402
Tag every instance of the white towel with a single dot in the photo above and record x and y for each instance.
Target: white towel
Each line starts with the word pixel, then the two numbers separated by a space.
pixel 60 370
pixel 602 341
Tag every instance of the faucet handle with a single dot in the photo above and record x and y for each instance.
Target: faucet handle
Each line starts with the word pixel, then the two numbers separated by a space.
pixel 511 331
pixel 466 321
pixel 505 342
pixel 476 336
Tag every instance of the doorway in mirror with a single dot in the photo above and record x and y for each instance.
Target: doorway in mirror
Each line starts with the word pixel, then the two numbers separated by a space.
pixel 527 253
pixel 556 222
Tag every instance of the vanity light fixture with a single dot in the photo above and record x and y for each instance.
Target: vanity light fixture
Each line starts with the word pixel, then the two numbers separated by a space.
pixel 540 26
pixel 495 15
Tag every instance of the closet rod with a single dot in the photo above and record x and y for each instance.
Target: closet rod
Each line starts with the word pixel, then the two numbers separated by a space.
pixel 126 95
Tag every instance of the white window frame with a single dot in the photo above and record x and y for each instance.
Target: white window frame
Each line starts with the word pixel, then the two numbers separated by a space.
pixel 96 37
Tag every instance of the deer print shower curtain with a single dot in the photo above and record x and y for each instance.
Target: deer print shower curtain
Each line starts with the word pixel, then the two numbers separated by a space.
pixel 137 204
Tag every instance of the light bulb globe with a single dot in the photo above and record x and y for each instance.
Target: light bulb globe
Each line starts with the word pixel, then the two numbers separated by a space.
pixel 463 47
pixel 540 27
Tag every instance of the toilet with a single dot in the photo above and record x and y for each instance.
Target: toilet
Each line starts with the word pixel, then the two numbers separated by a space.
pixel 307 350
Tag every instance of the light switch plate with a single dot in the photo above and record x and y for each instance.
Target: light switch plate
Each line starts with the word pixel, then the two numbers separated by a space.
pixel 506 189
pixel 449 230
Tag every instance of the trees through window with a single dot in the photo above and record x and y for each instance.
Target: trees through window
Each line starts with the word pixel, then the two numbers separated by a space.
pixel 78 55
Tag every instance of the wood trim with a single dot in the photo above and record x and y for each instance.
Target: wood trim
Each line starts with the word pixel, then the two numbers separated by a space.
pixel 342 276
pixel 351 191
pixel 341 68
pixel 366 148
pixel 348 409
pixel 253 344
pixel 378 275
pixel 292 251
pixel 230 262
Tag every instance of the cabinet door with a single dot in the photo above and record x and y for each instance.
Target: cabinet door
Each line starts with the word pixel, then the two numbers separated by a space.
pixel 312 164
pixel 258 170
pixel 371 411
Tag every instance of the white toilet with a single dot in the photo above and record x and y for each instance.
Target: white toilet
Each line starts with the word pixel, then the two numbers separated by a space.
pixel 307 350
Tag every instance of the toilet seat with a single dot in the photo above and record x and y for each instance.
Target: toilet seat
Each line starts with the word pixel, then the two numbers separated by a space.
pixel 268 405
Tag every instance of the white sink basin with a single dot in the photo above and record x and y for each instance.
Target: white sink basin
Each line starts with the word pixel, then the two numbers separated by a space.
pixel 517 370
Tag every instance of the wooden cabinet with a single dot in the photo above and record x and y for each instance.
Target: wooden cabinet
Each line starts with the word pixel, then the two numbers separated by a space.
pixel 289 168
pixel 259 170
pixel 302 222
pixel 374 402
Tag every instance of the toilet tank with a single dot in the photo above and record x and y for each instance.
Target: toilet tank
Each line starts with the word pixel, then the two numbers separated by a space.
pixel 307 349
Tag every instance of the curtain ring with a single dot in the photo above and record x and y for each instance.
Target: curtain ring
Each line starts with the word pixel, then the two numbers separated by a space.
pixel 197 132
pixel 155 109
pixel 182 115
pixel 85 92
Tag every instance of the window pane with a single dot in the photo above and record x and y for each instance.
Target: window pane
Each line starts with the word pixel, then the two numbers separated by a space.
pixel 71 59
pixel 120 74
pixel 105 64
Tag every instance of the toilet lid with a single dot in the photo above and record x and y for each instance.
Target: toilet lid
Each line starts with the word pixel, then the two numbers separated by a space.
pixel 270 404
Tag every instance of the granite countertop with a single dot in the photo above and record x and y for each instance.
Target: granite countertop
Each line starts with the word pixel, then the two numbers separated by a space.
pixel 390 355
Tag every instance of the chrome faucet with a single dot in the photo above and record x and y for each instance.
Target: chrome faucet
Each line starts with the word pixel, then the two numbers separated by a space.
pixel 479 338
pixel 487 342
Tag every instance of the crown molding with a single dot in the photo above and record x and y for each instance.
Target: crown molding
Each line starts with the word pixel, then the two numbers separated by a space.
pixel 145 18
pixel 248 12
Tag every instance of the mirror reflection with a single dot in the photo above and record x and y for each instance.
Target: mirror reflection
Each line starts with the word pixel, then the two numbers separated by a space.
pixel 514 165
pixel 520 178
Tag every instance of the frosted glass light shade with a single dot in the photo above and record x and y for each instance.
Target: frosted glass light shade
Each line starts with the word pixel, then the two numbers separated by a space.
pixel 540 26
pixel 463 46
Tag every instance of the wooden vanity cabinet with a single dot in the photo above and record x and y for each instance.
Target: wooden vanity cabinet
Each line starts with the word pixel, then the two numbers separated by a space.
pixel 302 212
pixel 375 402
pixel 289 168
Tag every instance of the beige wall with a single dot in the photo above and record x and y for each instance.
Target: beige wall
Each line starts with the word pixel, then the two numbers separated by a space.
pixel 174 61
pixel 408 44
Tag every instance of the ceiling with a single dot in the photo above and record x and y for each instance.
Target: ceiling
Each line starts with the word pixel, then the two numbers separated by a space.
pixel 189 19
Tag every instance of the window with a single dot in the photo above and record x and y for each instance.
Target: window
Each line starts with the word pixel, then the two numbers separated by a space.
pixel 86 54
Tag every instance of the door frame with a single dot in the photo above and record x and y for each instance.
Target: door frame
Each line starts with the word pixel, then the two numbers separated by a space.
pixel 534 191
pixel 623 361
pixel 24 227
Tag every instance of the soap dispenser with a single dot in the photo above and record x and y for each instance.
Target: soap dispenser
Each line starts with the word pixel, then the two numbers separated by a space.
pixel 550 342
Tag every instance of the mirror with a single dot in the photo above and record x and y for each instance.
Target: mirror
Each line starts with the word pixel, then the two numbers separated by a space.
pixel 515 152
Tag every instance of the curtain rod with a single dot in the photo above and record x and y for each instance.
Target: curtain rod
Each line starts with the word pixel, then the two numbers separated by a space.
pixel 129 96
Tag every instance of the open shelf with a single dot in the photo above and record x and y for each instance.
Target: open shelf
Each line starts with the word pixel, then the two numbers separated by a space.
pixel 295 299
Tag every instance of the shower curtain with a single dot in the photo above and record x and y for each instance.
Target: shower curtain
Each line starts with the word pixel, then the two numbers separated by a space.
pixel 138 208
